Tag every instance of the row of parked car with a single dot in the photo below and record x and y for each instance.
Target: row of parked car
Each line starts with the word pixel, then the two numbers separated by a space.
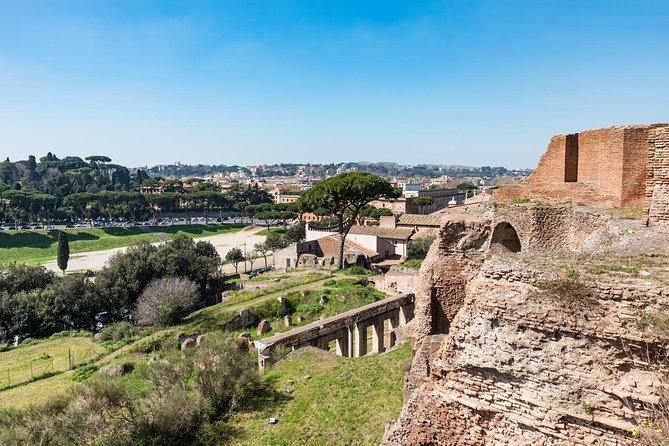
pixel 120 223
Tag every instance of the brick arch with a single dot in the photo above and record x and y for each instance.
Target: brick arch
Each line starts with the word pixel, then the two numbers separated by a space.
pixel 505 238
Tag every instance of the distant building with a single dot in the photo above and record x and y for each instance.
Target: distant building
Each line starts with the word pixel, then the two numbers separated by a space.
pixel 423 225
pixel 405 205
pixel 284 197
pixel 386 239
pixel 323 252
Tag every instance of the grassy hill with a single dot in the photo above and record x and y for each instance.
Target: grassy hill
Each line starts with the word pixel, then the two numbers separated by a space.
pixel 303 289
pixel 319 398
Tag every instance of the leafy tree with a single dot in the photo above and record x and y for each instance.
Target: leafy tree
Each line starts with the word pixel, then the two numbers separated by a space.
pixel 295 233
pixel 423 203
pixel 344 196
pixel 235 256
pixel 466 186
pixel 275 241
pixel 63 255
pixel 262 249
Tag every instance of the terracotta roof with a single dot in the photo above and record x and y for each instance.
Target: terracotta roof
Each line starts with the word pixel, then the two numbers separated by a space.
pixel 329 246
pixel 420 220
pixel 379 231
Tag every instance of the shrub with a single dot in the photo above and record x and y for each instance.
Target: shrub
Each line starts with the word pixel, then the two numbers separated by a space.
pixel 569 293
pixel 355 270
pixel 118 331
pixel 419 247
pixel 166 301
pixel 308 309
pixel 224 374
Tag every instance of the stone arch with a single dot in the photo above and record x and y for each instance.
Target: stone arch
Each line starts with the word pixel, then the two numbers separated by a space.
pixel 505 238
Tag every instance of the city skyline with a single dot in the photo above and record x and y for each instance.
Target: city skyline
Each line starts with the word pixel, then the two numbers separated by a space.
pixel 456 83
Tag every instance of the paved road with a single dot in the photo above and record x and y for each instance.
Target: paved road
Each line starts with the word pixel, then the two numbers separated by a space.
pixel 223 242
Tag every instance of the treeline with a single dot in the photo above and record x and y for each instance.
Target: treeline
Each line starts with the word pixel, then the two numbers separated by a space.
pixel 36 303
pixel 72 188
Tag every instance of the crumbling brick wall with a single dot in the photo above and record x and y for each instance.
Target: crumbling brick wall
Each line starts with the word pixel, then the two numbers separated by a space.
pixel 603 168
pixel 656 207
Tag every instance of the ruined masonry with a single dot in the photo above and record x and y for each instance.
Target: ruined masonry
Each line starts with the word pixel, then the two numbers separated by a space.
pixel 498 363
pixel 611 167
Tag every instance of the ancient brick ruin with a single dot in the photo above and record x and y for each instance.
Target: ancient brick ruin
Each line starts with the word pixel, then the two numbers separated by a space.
pixel 495 364
pixel 611 167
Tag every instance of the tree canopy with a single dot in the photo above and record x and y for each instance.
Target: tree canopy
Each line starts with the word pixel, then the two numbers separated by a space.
pixel 344 196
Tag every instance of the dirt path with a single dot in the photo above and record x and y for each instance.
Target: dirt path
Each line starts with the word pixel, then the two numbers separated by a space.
pixel 223 243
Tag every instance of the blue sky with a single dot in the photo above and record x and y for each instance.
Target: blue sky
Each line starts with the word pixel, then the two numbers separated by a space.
pixel 247 82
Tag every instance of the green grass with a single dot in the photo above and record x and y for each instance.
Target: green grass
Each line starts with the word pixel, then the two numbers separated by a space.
pixel 413 263
pixel 36 393
pixel 198 230
pixel 50 355
pixel 245 295
pixel 330 400
pixel 34 247
pixel 629 213
pixel 344 293
pixel 265 231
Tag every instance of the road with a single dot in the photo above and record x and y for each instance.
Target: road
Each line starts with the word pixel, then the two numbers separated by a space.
pixel 223 243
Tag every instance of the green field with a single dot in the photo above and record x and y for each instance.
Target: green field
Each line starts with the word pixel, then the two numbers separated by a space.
pixel 323 399
pixel 33 247
pixel 21 364
pixel 279 231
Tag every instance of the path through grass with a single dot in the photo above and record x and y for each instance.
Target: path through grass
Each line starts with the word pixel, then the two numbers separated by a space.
pixel 34 246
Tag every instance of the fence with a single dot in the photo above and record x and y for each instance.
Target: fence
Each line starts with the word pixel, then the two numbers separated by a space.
pixel 45 366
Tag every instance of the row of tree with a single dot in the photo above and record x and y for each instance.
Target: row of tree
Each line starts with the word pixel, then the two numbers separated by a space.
pixel 35 302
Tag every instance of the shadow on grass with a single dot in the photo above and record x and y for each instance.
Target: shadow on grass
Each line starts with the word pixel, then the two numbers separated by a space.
pixel 40 239
pixel 198 229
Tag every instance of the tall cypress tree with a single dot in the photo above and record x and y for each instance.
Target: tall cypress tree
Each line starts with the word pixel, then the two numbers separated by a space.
pixel 63 251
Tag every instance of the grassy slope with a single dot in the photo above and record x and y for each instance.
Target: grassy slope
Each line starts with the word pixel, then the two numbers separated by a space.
pixel 36 393
pixel 41 355
pixel 34 247
pixel 348 400
pixel 344 402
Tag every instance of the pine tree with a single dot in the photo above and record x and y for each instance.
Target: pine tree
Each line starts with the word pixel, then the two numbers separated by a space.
pixel 63 251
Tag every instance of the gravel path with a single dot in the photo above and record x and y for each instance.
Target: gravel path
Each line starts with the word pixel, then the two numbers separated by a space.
pixel 223 243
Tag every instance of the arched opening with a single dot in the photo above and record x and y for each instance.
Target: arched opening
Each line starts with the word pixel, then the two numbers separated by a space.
pixel 505 239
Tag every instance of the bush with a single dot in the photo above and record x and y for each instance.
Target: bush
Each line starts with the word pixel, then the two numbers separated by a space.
pixel 166 301
pixel 355 270
pixel 118 331
pixel 419 247
pixel 225 375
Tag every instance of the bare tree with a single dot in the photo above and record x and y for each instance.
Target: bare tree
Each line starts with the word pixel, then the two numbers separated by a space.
pixel 166 301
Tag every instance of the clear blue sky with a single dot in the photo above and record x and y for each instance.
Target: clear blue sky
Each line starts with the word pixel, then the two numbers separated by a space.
pixel 247 82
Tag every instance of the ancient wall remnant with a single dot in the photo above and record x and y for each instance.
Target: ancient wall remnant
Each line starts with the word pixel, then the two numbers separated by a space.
pixel 497 363
pixel 609 167
pixel 656 206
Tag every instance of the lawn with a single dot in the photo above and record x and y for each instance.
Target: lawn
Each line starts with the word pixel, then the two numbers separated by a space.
pixel 320 399
pixel 24 362
pixel 198 230
pixel 266 231
pixel 33 247
pixel 36 393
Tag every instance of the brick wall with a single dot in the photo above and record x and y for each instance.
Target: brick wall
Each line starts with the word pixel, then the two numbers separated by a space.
pixel 609 167
pixel 656 207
